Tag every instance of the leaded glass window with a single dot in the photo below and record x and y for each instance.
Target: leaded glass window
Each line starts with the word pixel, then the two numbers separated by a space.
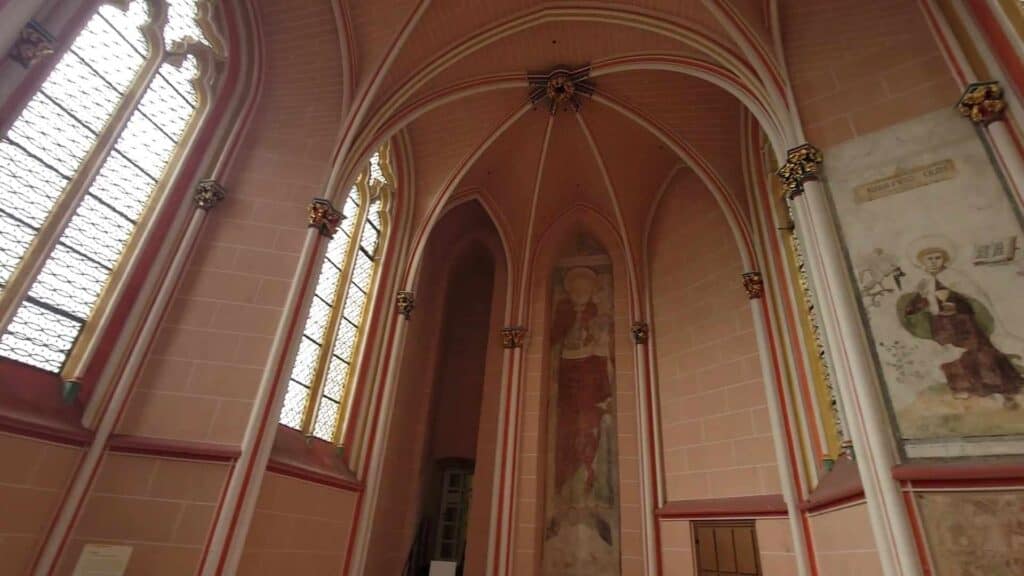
pixel 319 384
pixel 81 164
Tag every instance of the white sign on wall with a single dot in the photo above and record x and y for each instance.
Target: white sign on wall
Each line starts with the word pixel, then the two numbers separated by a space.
pixel 103 560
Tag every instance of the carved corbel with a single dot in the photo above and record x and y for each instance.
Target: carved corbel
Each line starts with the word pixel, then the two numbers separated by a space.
pixel 982 103
pixel 324 217
pixel 641 331
pixel 803 164
pixel 208 194
pixel 405 300
pixel 33 44
pixel 753 283
pixel 513 336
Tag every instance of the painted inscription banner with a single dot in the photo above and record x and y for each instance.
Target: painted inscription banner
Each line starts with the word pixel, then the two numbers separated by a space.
pixel 581 513
pixel 933 240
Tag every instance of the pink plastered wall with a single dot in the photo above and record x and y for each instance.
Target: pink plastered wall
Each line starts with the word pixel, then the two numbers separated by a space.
pixel 163 508
pixel 858 67
pixel 298 528
pixel 531 456
pixel 211 348
pixel 416 435
pixel 716 437
pixel 33 477
pixel 843 542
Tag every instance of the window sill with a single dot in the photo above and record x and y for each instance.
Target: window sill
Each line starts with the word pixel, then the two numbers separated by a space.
pixel 736 507
pixel 839 486
pixel 31 405
pixel 310 459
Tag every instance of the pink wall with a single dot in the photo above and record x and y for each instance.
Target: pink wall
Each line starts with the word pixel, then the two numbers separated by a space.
pixel 858 67
pixel 425 363
pixel 715 431
pixel 458 387
pixel 33 476
pixel 163 508
pixel 298 528
pixel 843 542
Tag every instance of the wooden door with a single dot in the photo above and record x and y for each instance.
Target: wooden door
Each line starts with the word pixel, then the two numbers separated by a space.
pixel 726 549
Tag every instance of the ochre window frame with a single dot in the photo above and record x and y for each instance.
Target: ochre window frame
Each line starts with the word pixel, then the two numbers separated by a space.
pixel 369 188
pixel 206 55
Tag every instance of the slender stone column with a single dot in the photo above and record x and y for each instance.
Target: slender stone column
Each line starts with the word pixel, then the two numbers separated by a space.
pixel 208 194
pixel 404 304
pixel 239 502
pixel 753 282
pixel 869 427
pixel 503 510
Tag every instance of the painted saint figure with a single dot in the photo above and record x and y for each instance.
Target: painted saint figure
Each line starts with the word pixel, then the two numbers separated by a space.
pixel 582 521
pixel 942 309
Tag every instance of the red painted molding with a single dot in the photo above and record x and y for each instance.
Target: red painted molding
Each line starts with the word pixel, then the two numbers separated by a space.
pixel 980 472
pixel 166 448
pixel 840 486
pixel 310 459
pixel 31 405
pixel 742 506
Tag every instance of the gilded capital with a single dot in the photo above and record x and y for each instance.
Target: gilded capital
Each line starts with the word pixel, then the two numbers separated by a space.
pixel 405 301
pixel 33 44
pixel 982 102
pixel 803 163
pixel 512 336
pixel 208 194
pixel 641 331
pixel 753 283
pixel 324 217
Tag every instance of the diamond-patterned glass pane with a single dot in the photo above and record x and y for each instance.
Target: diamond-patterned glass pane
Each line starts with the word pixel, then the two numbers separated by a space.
pixel 52 135
pixel 305 362
pixel 14 240
pixel 337 377
pixel 316 322
pixel 166 107
pixel 345 340
pixel 27 187
pixel 326 418
pixel 362 273
pixel 355 301
pixel 82 92
pixel 294 405
pixel 39 337
pixel 376 174
pixel 99 231
pixel 327 283
pixel 69 281
pixel 181 22
pixel 337 249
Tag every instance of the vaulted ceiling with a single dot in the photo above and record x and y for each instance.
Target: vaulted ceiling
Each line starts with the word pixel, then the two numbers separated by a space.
pixel 449 79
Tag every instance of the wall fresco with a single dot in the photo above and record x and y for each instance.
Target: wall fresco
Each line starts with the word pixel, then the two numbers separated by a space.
pixel 934 241
pixel 974 533
pixel 581 520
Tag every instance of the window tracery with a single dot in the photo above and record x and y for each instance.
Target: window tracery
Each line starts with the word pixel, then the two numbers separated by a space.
pixel 84 160
pixel 320 380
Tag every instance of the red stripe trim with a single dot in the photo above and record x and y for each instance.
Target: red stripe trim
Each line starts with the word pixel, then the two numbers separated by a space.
pixel 960 472
pixel 316 476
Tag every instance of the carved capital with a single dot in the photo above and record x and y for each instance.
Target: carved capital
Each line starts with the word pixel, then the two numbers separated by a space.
pixel 512 336
pixel 803 163
pixel 753 283
pixel 641 331
pixel 33 44
pixel 405 301
pixel 324 217
pixel 208 194
pixel 982 102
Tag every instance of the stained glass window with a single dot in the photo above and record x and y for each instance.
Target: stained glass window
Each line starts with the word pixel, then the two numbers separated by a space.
pixel 323 365
pixel 79 167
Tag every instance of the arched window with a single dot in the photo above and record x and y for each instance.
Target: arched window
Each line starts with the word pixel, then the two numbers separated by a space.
pixel 83 162
pixel 319 384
